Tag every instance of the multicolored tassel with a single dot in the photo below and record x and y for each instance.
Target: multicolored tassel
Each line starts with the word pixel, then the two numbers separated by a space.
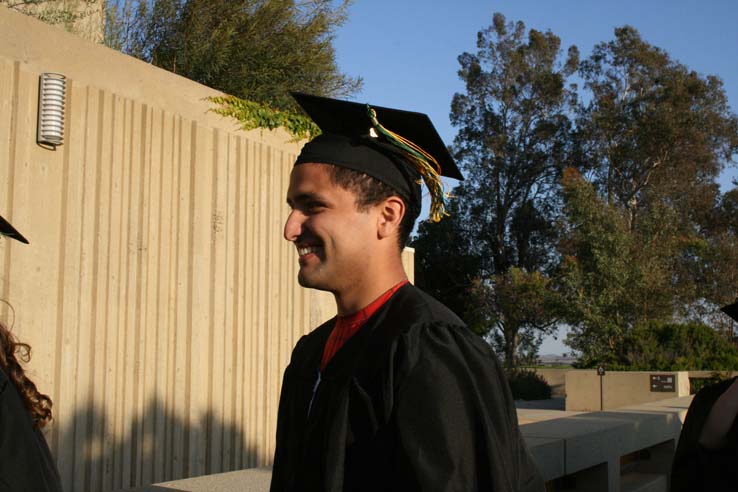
pixel 422 161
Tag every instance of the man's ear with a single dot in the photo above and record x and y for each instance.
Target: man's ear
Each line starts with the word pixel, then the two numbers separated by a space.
pixel 392 210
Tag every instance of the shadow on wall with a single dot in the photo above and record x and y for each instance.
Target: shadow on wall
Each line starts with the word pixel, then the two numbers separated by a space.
pixel 94 454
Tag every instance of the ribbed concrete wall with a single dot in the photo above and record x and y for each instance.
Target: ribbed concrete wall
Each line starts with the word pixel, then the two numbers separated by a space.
pixel 157 292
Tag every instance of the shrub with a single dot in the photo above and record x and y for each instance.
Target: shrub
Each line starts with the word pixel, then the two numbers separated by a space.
pixel 526 384
pixel 677 347
pixel 696 384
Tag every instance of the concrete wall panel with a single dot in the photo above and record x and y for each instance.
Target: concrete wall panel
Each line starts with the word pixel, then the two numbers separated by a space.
pixel 586 391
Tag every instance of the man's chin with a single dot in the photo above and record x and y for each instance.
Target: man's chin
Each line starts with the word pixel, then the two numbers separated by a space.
pixel 309 282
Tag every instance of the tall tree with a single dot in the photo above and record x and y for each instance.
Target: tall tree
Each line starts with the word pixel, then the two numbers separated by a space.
pixel 653 130
pixel 513 133
pixel 445 266
pixel 514 309
pixel 257 50
pixel 649 239
pixel 653 138
pixel 610 278
pixel 512 144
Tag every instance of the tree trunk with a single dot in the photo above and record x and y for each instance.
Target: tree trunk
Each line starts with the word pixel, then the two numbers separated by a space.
pixel 511 347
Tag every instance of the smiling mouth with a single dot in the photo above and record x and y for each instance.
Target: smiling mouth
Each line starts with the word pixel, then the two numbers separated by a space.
pixel 306 250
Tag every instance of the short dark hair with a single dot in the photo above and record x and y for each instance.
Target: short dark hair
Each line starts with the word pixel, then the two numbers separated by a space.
pixel 370 191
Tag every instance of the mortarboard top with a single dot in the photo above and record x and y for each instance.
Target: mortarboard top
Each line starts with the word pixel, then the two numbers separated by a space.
pixel 7 229
pixel 394 146
pixel 731 310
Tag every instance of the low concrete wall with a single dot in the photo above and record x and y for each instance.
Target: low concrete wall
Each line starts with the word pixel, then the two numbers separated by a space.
pixel 586 391
pixel 595 451
pixel 589 446
pixel 556 379
pixel 710 374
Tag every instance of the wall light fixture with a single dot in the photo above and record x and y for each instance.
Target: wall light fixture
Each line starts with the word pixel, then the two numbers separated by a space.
pixel 51 102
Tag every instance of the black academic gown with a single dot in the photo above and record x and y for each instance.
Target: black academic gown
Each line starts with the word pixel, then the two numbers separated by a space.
pixel 695 468
pixel 26 465
pixel 413 401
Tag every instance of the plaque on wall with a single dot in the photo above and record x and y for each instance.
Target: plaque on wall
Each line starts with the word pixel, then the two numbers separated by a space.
pixel 663 383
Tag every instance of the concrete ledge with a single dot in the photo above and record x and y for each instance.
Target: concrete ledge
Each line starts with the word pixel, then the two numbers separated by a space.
pixel 587 440
pixel 549 455
pixel 562 443
pixel 251 480
pixel 709 374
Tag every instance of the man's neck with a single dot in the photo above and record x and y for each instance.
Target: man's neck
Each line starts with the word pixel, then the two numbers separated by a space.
pixel 358 297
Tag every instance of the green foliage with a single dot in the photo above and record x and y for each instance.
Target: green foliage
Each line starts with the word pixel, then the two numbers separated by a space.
pixel 66 14
pixel 521 308
pixel 649 238
pixel 717 273
pixel 696 384
pixel 653 130
pixel 444 266
pixel 610 282
pixel 526 384
pixel 636 232
pixel 653 138
pixel 256 50
pixel 655 346
pixel 513 134
pixel 253 115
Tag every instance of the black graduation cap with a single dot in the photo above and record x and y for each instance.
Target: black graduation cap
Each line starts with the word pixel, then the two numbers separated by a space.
pixel 394 146
pixel 731 310
pixel 7 229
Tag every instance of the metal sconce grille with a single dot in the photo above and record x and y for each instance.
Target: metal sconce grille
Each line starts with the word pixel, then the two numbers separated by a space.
pixel 51 102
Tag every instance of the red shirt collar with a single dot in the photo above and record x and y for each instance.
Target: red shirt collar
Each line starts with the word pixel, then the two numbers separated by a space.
pixel 347 326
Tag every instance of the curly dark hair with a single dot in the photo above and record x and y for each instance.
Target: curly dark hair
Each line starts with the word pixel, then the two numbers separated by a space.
pixel 38 404
pixel 370 191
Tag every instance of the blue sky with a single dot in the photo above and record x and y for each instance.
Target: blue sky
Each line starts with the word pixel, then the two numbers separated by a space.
pixel 406 50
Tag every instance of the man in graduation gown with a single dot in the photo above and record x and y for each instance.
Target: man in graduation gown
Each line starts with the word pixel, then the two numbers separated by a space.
pixel 707 454
pixel 395 393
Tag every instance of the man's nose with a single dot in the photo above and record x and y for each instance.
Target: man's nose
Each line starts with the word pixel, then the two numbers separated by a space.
pixel 293 226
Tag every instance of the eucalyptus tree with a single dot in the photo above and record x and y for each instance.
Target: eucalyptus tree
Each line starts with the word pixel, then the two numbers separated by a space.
pixel 650 241
pixel 257 50
pixel 512 143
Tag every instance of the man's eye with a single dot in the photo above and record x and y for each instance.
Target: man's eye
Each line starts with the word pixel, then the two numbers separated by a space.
pixel 315 205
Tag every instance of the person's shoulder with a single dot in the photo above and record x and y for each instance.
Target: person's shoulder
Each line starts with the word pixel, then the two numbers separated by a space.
pixel 702 402
pixel 724 385
pixel 428 321
pixel 709 394
pixel 315 340
pixel 4 381
pixel 420 307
